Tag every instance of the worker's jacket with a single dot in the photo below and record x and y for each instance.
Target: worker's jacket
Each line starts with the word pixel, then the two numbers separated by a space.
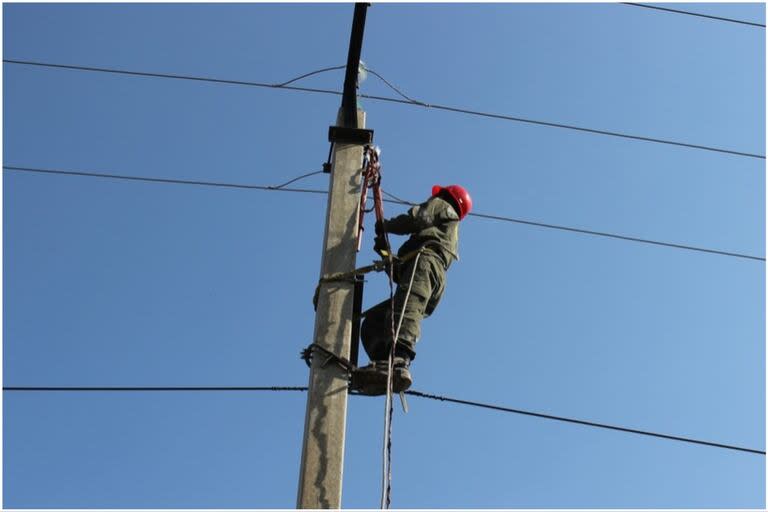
pixel 434 224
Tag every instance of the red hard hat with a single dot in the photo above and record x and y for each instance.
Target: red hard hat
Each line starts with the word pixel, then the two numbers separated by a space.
pixel 459 194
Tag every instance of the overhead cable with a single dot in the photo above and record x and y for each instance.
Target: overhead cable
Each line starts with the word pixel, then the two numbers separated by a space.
pixel 582 422
pixel 677 11
pixel 311 73
pixel 278 187
pixel 171 76
pixel 397 100
pixel 281 188
pixel 412 393
pixel 397 90
pixel 565 126
pixel 398 200
pixel 152 388
pixel 412 101
pixel 619 237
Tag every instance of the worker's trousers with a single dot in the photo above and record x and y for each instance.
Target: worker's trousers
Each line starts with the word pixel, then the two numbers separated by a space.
pixel 426 291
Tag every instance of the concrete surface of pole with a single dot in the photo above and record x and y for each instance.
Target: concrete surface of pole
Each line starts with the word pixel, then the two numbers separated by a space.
pixel 322 457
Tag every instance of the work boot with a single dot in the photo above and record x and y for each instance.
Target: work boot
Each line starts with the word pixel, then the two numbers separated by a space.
pixel 402 376
pixel 372 379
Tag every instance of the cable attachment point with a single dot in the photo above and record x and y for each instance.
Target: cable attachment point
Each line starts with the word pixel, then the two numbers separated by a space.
pixel 327 165
pixel 371 179
pixel 347 277
pixel 308 353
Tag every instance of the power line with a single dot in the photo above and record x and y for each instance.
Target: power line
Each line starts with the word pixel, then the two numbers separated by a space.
pixel 396 100
pixel 311 73
pixel 411 101
pixel 153 388
pixel 565 126
pixel 582 422
pixel 619 237
pixel 398 91
pixel 280 188
pixel 367 69
pixel 412 393
pixel 694 14
pixel 396 200
pixel 172 76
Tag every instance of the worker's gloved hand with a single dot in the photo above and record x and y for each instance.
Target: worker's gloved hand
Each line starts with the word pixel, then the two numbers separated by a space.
pixel 380 228
pixel 380 245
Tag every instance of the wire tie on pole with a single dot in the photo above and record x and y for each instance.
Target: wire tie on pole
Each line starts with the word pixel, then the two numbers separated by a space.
pixel 308 353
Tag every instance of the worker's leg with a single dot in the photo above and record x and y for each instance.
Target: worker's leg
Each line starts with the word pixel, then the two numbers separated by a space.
pixel 426 291
pixel 376 332
pixel 376 335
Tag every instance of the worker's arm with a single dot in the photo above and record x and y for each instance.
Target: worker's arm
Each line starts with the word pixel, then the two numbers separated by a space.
pixel 432 213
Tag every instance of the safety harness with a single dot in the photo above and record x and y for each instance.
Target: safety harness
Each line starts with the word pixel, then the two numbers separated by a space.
pixel 372 180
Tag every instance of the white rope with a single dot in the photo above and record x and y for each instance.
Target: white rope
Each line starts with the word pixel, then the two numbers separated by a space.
pixel 387 467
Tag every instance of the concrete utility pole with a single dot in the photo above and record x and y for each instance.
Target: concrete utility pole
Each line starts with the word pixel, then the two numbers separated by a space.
pixel 322 456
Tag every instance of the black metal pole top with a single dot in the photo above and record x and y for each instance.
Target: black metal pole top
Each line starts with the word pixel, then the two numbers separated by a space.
pixel 349 99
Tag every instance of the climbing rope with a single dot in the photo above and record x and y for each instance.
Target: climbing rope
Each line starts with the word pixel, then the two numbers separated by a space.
pixel 386 497
pixel 386 469
pixel 372 180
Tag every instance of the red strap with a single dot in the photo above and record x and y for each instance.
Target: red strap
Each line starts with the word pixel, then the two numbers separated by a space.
pixel 371 179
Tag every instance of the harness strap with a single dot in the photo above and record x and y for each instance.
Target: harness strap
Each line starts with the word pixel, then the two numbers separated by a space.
pixel 349 277
pixel 377 266
pixel 352 276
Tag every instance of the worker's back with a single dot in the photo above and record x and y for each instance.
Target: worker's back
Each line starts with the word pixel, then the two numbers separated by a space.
pixel 433 223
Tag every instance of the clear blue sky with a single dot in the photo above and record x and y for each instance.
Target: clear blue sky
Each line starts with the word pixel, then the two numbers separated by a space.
pixel 115 283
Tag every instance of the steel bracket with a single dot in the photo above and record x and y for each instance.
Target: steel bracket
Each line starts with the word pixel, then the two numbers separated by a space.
pixel 340 134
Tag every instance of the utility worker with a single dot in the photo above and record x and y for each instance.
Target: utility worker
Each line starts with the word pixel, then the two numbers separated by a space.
pixel 434 229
